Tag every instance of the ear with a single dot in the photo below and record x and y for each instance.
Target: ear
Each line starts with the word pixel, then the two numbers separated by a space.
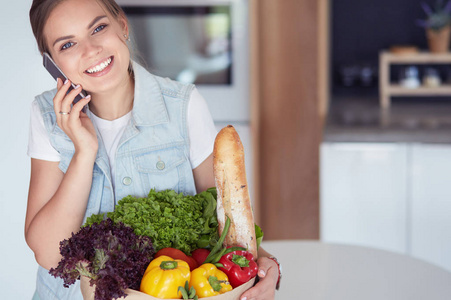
pixel 123 22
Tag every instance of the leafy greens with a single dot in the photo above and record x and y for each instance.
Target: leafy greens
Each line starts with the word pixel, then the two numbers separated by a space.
pixel 170 219
pixel 110 254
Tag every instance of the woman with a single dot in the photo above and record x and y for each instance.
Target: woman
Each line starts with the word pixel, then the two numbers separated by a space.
pixel 139 130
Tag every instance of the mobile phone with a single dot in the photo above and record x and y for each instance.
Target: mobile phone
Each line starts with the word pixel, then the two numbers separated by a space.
pixel 56 72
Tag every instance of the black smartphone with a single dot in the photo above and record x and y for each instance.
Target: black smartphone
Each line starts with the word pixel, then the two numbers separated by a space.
pixel 56 72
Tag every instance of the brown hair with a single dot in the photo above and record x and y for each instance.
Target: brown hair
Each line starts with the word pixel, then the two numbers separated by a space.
pixel 40 11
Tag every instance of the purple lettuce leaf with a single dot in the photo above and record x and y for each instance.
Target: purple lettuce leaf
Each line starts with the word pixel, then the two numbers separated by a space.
pixel 111 255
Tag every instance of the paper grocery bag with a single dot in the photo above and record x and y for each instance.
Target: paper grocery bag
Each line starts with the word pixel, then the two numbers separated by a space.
pixel 88 292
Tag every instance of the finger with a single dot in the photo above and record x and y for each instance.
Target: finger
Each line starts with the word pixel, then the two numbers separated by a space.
pixel 268 273
pixel 59 83
pixel 264 289
pixel 62 87
pixel 66 104
pixel 66 107
pixel 59 96
pixel 77 108
pixel 76 111
pixel 266 265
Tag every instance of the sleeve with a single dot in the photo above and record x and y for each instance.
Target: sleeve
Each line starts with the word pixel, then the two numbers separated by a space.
pixel 39 145
pixel 201 129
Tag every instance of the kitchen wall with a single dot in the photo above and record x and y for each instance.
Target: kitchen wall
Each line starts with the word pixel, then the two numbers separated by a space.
pixel 21 77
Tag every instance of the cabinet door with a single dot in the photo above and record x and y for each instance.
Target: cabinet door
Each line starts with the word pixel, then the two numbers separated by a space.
pixel 431 204
pixel 363 194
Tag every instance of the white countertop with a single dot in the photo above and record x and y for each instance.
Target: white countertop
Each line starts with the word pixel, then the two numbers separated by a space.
pixel 315 271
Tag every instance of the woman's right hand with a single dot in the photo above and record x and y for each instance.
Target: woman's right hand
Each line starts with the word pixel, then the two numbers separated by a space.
pixel 57 201
pixel 76 124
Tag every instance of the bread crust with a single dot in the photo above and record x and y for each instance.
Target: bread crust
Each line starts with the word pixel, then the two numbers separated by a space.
pixel 233 192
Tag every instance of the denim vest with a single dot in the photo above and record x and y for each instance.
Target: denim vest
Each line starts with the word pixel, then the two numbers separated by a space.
pixel 153 153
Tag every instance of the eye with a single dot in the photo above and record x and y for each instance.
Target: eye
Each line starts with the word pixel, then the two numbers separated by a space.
pixel 67 45
pixel 99 28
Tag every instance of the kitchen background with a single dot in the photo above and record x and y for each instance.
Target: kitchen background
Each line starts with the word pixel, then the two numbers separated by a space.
pixel 378 179
pixel 385 173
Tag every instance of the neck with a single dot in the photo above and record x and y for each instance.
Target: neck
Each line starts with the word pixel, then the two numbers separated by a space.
pixel 115 103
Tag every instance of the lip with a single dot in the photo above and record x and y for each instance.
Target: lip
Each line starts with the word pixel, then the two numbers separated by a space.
pixel 104 71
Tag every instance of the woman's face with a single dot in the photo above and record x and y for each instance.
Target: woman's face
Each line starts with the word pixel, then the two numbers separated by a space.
pixel 88 44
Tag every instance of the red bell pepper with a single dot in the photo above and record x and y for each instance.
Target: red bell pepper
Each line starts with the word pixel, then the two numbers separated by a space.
pixel 239 267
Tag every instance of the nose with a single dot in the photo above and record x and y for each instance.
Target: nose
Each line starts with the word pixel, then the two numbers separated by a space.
pixel 91 48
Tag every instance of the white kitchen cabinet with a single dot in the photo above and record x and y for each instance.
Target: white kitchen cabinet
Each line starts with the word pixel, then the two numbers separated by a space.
pixel 363 194
pixel 394 196
pixel 431 204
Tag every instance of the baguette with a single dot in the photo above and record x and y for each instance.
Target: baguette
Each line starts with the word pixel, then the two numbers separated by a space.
pixel 233 192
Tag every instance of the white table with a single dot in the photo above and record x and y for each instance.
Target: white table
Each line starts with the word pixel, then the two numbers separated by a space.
pixel 316 271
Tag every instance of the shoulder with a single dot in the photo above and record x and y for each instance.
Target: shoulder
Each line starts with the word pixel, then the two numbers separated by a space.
pixel 45 100
pixel 166 85
pixel 174 88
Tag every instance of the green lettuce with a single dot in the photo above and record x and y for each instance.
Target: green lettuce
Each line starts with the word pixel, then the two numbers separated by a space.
pixel 258 235
pixel 170 219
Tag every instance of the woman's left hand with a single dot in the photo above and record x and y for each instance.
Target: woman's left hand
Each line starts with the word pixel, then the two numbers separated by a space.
pixel 268 274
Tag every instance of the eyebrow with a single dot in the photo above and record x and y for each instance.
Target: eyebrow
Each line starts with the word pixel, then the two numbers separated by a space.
pixel 62 39
pixel 96 19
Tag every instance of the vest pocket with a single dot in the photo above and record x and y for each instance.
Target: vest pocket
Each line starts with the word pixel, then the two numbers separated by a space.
pixel 162 169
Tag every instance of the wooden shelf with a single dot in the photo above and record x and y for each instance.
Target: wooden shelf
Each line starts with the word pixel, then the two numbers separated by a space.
pixel 398 90
pixel 417 58
pixel 387 90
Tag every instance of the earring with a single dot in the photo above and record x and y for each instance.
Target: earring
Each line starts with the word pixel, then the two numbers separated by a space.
pixel 127 37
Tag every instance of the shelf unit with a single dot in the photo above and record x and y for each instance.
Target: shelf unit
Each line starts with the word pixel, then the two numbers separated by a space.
pixel 387 89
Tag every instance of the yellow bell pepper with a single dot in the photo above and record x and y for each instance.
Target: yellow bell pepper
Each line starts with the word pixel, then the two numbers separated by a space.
pixel 163 276
pixel 209 281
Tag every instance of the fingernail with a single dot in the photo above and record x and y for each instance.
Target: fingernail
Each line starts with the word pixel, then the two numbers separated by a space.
pixel 88 97
pixel 66 81
pixel 77 86
pixel 244 298
pixel 261 273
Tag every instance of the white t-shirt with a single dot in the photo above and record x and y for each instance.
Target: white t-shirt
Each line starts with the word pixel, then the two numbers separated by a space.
pixel 201 132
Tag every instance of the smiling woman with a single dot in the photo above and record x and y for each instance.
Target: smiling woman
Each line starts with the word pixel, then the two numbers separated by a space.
pixel 90 48
pixel 140 132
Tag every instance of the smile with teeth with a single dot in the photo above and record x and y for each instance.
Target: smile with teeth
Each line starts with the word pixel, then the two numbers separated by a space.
pixel 99 67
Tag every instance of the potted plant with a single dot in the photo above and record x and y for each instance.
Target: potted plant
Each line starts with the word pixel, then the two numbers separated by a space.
pixel 437 24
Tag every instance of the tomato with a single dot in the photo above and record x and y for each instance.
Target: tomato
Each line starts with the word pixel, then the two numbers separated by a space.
pixel 200 255
pixel 178 254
